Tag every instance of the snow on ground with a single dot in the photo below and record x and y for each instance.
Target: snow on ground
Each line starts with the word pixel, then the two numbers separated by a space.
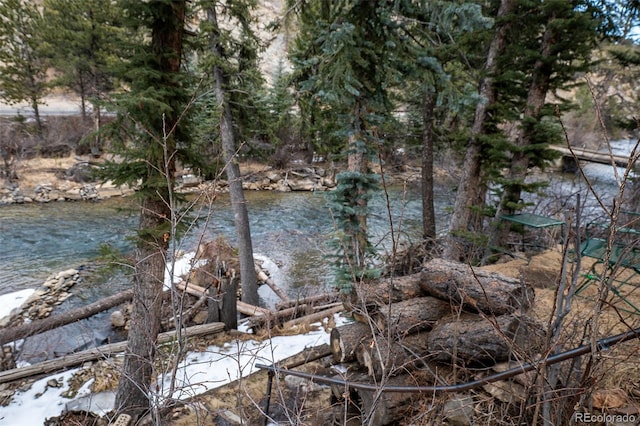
pixel 11 301
pixel 198 373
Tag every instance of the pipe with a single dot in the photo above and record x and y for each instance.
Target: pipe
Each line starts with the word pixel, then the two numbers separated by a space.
pixel 602 344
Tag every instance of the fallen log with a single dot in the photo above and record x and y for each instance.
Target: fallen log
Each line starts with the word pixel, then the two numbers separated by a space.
pixel 100 352
pixel 411 316
pixel 474 339
pixel 247 309
pixel 345 339
pixel 386 356
pixel 243 308
pixel 391 290
pixel 474 288
pixel 278 317
pixel 309 300
pixel 39 326
pixel 317 316
pixel 262 276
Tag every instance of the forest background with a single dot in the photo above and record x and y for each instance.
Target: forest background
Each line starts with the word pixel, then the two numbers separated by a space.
pixel 485 85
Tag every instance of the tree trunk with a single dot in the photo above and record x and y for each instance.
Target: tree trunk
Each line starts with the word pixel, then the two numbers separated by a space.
pixel 134 395
pixel 138 370
pixel 428 211
pixel 470 181
pixel 248 278
pixel 475 289
pixel 520 159
pixel 11 334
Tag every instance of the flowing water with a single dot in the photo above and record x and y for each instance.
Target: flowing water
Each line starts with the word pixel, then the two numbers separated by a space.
pixel 289 229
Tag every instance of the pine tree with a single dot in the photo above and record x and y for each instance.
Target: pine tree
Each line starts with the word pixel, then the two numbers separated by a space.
pixel 349 65
pixel 153 133
pixel 23 68
pixel 82 40
pixel 560 37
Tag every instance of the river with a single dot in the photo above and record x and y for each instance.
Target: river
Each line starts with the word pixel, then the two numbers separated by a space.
pixel 288 229
pixel 291 229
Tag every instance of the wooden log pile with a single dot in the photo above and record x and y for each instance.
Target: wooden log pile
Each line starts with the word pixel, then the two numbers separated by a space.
pixel 448 314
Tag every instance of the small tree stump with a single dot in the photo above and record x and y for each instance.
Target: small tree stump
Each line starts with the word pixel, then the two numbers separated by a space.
pixel 475 289
pixel 222 303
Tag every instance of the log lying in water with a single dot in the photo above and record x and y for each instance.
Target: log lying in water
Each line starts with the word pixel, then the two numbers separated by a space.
pixel 475 289
pixel 411 316
pixel 11 334
pixel 262 276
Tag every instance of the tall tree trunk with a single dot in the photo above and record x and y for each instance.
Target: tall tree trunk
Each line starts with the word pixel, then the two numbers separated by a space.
pixel 470 182
pixel 248 279
pixel 357 162
pixel 134 394
pixel 428 212
pixel 535 101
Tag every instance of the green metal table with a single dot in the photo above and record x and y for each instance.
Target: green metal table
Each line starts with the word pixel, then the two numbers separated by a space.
pixel 532 220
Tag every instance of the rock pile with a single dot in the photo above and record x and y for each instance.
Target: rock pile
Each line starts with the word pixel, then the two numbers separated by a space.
pixel 48 192
pixel 53 292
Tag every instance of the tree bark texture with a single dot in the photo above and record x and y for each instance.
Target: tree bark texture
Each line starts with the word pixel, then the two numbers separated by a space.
pixel 222 303
pixel 411 316
pixel 345 339
pixel 473 339
pixel 391 290
pixel 248 278
pixel 428 209
pixel 475 289
pixel 386 356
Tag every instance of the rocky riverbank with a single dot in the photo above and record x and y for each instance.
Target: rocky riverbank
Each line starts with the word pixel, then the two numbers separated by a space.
pixel 43 180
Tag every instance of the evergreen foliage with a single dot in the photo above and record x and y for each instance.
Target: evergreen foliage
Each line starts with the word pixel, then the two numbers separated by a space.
pixel 23 67
pixel 82 38
pixel 350 240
